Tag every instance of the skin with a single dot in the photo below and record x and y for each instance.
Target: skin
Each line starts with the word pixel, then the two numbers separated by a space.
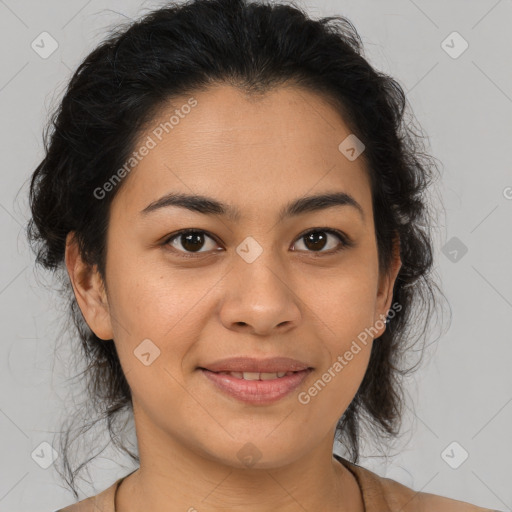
pixel 256 154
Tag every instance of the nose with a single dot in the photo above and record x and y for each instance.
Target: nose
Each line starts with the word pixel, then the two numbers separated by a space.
pixel 260 299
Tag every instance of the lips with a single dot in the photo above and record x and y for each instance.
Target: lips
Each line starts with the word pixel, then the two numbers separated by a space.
pixel 257 369
pixel 256 392
pixel 256 381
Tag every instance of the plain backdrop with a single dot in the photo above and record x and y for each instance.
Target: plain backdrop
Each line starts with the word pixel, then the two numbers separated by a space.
pixel 452 57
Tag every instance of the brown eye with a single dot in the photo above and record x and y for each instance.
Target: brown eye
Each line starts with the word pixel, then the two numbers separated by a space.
pixel 317 239
pixel 190 241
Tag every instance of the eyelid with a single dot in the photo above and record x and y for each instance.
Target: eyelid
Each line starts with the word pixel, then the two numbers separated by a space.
pixel 345 241
pixel 184 254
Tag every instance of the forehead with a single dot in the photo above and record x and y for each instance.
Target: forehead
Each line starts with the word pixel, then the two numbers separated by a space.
pixel 257 152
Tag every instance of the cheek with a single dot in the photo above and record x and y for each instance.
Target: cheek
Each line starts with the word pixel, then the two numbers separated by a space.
pixel 346 317
pixel 335 387
pixel 143 294
pixel 350 347
pixel 169 310
pixel 344 302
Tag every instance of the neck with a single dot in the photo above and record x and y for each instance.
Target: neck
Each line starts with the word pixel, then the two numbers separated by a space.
pixel 192 482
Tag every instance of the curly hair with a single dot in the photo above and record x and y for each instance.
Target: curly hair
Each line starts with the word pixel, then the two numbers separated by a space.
pixel 180 48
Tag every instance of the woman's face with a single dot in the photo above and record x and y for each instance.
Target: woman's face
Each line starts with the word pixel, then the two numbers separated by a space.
pixel 260 285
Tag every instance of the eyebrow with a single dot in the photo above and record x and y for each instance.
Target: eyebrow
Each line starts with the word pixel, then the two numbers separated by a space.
pixel 210 206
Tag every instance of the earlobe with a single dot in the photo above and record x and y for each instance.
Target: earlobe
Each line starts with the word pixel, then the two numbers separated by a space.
pixel 89 290
pixel 387 282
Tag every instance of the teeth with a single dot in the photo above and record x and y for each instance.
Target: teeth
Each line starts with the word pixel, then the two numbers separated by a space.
pixel 257 375
pixel 238 375
pixel 254 376
pixel 268 376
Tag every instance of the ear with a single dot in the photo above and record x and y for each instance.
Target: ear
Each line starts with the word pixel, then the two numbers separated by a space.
pixel 386 285
pixel 89 290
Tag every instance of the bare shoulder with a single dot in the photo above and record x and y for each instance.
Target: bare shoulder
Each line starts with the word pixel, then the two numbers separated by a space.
pixel 81 506
pixel 400 497
pixel 383 494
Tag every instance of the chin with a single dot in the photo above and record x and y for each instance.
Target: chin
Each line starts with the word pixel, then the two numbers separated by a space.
pixel 255 454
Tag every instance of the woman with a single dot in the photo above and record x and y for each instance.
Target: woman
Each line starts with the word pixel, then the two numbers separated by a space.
pixel 240 210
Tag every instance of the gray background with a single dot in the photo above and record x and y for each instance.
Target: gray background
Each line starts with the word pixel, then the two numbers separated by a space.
pixel 463 392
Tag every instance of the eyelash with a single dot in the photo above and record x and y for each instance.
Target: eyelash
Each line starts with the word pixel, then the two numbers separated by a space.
pixel 345 241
